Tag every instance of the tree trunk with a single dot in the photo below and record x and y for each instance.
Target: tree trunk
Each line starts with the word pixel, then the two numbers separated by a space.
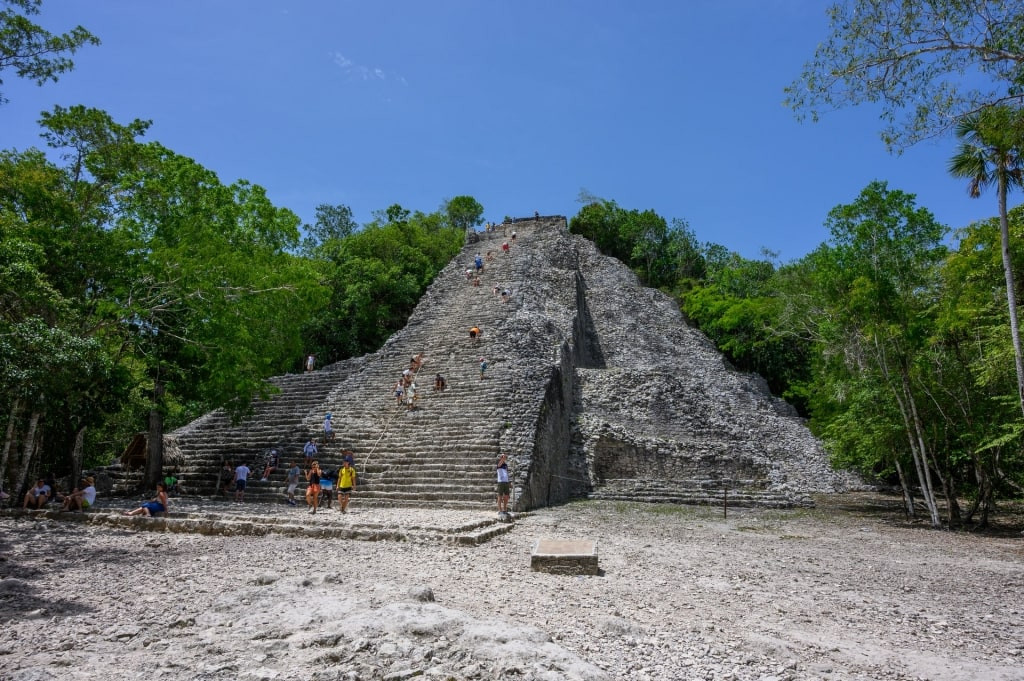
pixel 904 397
pixel 912 425
pixel 1011 294
pixel 76 457
pixel 28 449
pixel 9 440
pixel 908 497
pixel 927 489
pixel 155 446
pixel 984 497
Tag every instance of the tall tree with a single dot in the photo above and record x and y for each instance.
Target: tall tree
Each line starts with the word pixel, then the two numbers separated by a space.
pixel 927 62
pixel 32 51
pixel 464 212
pixel 133 262
pixel 332 223
pixel 873 288
pixel 992 153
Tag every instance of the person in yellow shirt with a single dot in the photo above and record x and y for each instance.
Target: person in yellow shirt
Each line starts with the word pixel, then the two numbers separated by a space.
pixel 346 483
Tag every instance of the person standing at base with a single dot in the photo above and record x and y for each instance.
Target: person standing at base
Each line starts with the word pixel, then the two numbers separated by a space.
pixel 241 475
pixel 313 488
pixel 226 479
pixel 503 485
pixel 346 484
pixel 293 481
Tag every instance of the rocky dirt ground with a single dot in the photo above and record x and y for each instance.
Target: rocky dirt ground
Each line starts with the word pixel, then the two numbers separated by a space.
pixel 844 591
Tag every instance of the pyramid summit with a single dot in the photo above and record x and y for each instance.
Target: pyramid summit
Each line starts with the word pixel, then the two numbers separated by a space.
pixel 590 383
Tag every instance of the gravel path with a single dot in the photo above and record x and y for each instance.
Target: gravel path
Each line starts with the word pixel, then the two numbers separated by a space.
pixel 844 591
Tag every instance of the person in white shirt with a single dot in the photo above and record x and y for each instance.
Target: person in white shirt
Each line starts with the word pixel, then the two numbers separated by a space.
pixel 82 498
pixel 503 485
pixel 38 495
pixel 241 475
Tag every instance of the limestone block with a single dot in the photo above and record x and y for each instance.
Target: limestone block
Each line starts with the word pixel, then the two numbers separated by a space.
pixel 565 556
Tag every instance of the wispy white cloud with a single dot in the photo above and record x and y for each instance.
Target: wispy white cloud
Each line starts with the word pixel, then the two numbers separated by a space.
pixel 363 72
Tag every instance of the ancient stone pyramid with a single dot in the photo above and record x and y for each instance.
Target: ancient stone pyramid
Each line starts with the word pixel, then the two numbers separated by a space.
pixel 595 386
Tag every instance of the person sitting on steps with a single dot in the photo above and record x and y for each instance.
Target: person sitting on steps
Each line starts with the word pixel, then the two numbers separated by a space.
pixel 157 505
pixel 82 497
pixel 37 496
pixel 273 460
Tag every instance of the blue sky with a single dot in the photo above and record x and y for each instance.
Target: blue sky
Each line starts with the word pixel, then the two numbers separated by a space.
pixel 673 106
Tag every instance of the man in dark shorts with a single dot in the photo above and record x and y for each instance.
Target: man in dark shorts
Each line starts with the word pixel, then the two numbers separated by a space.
pixel 346 483
pixel 503 485
pixel 241 475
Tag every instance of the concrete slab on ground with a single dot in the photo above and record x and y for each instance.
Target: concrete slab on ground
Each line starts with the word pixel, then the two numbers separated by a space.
pixel 565 556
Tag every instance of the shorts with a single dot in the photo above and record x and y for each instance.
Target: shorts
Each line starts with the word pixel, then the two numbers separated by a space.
pixel 344 490
pixel 239 485
pixel 472 334
pixel 154 507
pixel 313 490
pixel 503 488
pixel 85 504
pixel 291 487
pixel 327 486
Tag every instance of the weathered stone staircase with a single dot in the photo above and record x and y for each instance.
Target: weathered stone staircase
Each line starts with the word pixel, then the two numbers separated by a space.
pixel 442 451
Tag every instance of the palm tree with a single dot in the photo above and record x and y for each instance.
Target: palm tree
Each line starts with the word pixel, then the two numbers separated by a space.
pixel 991 153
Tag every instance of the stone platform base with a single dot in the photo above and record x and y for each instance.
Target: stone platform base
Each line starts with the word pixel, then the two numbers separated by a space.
pixel 565 557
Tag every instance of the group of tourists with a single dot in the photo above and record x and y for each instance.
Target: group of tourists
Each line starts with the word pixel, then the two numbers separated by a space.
pixel 81 498
pixel 319 482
